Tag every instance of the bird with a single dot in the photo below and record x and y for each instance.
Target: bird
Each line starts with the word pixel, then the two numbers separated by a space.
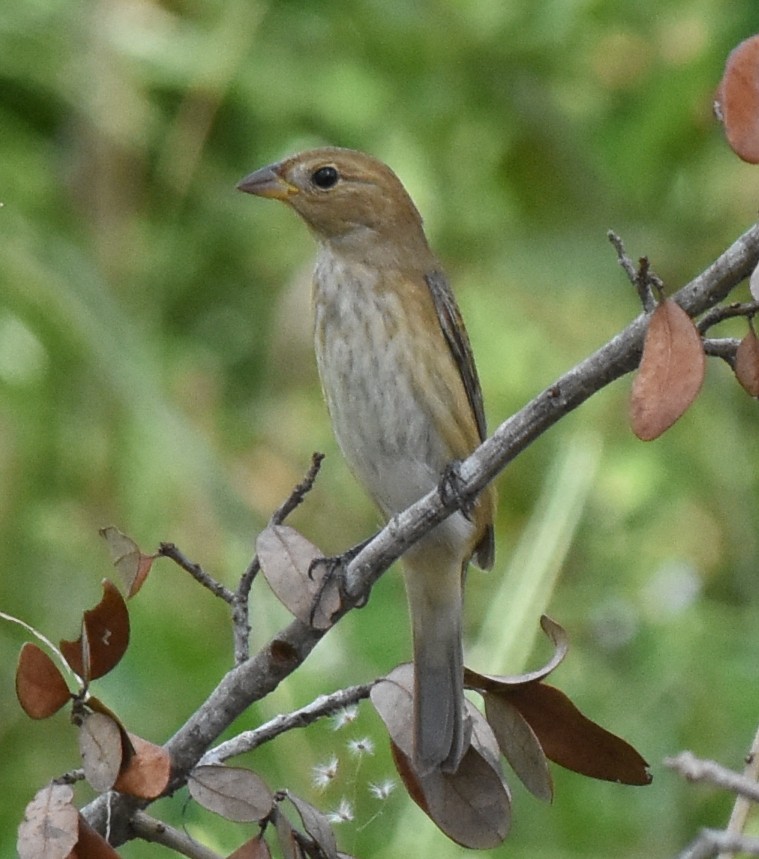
pixel 404 398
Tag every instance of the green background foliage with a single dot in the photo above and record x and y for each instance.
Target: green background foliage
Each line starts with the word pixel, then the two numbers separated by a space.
pixel 156 371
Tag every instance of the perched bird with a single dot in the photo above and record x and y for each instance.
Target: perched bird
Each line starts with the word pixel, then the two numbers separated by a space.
pixel 403 395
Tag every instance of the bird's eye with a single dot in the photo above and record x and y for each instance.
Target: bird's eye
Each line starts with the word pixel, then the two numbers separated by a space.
pixel 325 177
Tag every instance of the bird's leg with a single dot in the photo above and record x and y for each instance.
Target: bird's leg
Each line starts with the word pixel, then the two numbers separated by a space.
pixel 450 488
pixel 334 570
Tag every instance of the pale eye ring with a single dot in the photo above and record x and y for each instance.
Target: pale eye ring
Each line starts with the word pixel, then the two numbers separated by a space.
pixel 325 177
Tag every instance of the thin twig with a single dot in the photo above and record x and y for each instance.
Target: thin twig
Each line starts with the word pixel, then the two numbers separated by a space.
pixel 169 550
pixel 300 491
pixel 642 278
pixel 324 705
pixel 723 347
pixel 716 315
pixel 739 815
pixel 156 831
pixel 697 769
pixel 710 842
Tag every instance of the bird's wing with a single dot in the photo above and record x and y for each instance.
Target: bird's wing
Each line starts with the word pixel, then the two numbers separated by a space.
pixel 449 316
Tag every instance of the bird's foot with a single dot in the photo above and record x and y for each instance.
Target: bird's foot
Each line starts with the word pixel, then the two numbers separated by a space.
pixel 450 488
pixel 331 573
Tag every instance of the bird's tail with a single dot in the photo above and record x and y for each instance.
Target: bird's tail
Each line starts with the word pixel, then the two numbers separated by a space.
pixel 434 589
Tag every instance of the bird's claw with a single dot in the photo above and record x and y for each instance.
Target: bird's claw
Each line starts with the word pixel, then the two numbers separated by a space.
pixel 334 575
pixel 450 488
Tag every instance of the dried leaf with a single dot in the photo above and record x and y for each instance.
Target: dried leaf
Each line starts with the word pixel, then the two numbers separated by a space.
pixel 146 769
pixel 91 844
pixel 288 844
pixel 233 792
pixel 671 371
pixel 256 848
pixel 560 641
pixel 101 750
pixel 132 565
pixel 392 698
pixel 572 740
pixel 738 100
pixel 104 638
pixel 519 745
pixel 40 687
pixel 286 558
pixel 747 363
pixel 316 825
pixel 50 826
pixel 471 806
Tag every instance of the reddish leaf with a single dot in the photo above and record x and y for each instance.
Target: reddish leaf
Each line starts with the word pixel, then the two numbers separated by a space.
pixel 132 565
pixel 671 371
pixel 146 769
pixel 572 740
pixel 91 844
pixel 471 806
pixel 104 638
pixel 50 826
pixel 233 792
pixel 286 558
pixel 738 100
pixel 40 687
pixel 392 698
pixel 560 641
pixel 519 745
pixel 256 848
pixel 316 825
pixel 101 750
pixel 747 363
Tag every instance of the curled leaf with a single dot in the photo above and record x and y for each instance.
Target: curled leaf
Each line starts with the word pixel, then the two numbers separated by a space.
pixel 40 687
pixel 233 792
pixel 104 638
pixel 132 565
pixel 316 825
pixel 737 101
pixel 671 371
pixel 747 363
pixel 286 559
pixel 560 640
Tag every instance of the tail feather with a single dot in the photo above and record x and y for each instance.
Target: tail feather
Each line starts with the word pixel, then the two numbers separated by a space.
pixel 435 600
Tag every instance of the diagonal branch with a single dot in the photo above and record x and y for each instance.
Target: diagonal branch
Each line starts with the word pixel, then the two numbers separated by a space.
pixel 261 674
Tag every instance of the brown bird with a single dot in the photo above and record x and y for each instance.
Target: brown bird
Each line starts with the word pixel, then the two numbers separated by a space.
pixel 403 395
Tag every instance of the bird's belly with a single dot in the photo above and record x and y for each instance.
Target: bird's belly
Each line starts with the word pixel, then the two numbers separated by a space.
pixel 370 377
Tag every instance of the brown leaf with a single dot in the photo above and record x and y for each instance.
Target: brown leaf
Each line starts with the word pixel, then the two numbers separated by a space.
pixel 671 371
pixel 471 806
pixel 519 745
pixel 104 638
pixel 233 792
pixel 738 100
pixel 392 698
pixel 40 687
pixel 146 770
pixel 256 848
pixel 572 740
pixel 747 363
pixel 316 825
pixel 91 844
pixel 132 565
pixel 50 826
pixel 286 557
pixel 560 641
pixel 288 844
pixel 101 750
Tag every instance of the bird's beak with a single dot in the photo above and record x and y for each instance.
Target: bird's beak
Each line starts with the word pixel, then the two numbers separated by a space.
pixel 267 182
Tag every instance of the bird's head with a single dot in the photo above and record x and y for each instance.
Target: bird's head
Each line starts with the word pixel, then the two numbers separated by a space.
pixel 344 196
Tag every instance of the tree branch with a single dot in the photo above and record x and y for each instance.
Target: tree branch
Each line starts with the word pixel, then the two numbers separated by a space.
pixel 261 674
